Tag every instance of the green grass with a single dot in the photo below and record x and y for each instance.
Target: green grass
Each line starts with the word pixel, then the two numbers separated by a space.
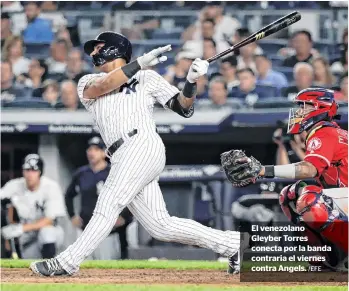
pixel 132 264
pixel 109 287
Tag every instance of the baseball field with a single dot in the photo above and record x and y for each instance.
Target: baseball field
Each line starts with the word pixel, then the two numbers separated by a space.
pixel 145 275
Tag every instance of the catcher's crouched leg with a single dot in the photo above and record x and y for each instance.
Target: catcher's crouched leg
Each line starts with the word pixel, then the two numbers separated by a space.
pixel 307 205
pixel 317 211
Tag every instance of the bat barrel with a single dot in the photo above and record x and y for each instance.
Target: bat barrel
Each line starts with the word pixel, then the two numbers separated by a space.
pixel 276 26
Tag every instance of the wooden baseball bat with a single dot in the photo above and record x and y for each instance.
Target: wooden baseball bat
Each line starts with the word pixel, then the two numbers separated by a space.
pixel 273 27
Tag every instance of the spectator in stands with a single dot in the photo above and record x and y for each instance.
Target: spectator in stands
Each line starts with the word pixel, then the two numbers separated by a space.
pixel 36 75
pixel 49 12
pixel 209 50
pixel 201 88
pixel 38 29
pixel 341 66
pixel 225 26
pixel 228 71
pixel 176 74
pixel 75 66
pixel 11 6
pixel 240 35
pixel 304 76
pixel 302 43
pixel 218 92
pixel 247 89
pixel 57 63
pixel 13 53
pixel 246 57
pixel 342 95
pixel 138 30
pixel 51 92
pixel 266 75
pixel 5 28
pixel 290 51
pixel 322 73
pixel 9 89
pixel 207 28
pixel 63 33
pixel 69 95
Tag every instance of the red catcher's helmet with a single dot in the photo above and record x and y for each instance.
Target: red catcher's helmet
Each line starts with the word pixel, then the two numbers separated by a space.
pixel 324 107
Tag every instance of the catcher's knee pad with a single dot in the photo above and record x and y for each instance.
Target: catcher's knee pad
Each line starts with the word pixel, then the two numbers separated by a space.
pixel 316 211
pixel 312 207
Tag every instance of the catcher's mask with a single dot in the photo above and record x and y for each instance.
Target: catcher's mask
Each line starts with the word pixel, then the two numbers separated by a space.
pixel 115 46
pixel 314 105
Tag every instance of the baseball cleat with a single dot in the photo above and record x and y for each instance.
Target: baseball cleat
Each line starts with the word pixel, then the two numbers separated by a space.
pixel 48 268
pixel 234 264
pixel 234 260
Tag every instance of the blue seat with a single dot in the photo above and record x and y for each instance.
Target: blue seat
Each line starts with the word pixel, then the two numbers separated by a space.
pixel 276 102
pixel 272 46
pixel 323 47
pixel 288 72
pixel 161 34
pixel 37 50
pixel 276 60
pixel 28 103
pixel 270 91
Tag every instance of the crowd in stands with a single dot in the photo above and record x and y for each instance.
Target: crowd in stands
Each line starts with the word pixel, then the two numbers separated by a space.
pixel 248 75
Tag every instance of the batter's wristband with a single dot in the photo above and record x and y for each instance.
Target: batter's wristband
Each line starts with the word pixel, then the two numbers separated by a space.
pixel 189 89
pixel 269 172
pixel 131 69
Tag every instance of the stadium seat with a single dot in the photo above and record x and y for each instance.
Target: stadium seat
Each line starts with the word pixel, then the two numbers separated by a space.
pixel 28 103
pixel 288 72
pixel 276 60
pixel 276 102
pixel 169 34
pixel 272 46
pixel 37 50
pixel 323 47
pixel 268 90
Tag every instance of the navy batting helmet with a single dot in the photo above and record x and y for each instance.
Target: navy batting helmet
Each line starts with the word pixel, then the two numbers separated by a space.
pixel 116 46
pixel 33 162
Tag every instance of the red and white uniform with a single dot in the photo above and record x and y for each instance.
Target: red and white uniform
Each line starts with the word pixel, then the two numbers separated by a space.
pixel 327 150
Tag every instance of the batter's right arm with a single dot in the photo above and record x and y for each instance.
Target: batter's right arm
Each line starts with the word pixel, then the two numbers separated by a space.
pixel 102 85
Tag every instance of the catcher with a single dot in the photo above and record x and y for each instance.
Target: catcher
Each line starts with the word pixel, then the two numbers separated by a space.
pixel 323 208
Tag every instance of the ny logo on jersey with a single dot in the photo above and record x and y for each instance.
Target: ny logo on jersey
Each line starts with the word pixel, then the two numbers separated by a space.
pixel 131 86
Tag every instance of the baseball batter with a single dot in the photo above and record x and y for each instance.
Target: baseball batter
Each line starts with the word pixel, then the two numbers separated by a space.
pixel 39 202
pixel 121 100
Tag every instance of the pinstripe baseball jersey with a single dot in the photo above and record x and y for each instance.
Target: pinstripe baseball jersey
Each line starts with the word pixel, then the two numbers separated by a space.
pixel 130 106
pixel 46 201
pixel 134 173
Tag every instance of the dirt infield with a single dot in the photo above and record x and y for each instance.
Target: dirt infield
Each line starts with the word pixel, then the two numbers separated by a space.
pixel 141 276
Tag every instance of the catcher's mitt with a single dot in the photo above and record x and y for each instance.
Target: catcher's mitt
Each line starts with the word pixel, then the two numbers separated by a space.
pixel 241 170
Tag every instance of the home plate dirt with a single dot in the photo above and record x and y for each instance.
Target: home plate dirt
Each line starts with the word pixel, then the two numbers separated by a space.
pixel 138 276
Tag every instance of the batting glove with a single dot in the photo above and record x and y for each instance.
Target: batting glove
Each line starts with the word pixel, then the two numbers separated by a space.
pixel 154 57
pixel 12 231
pixel 197 69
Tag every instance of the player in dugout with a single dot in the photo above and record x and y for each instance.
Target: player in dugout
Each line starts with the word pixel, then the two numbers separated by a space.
pixel 87 182
pixel 39 203
pixel 321 208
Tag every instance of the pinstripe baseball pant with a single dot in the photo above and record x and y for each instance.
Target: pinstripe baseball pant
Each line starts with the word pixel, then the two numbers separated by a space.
pixel 133 182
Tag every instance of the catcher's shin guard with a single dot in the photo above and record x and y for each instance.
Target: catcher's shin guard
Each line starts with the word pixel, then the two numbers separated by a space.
pixel 317 211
